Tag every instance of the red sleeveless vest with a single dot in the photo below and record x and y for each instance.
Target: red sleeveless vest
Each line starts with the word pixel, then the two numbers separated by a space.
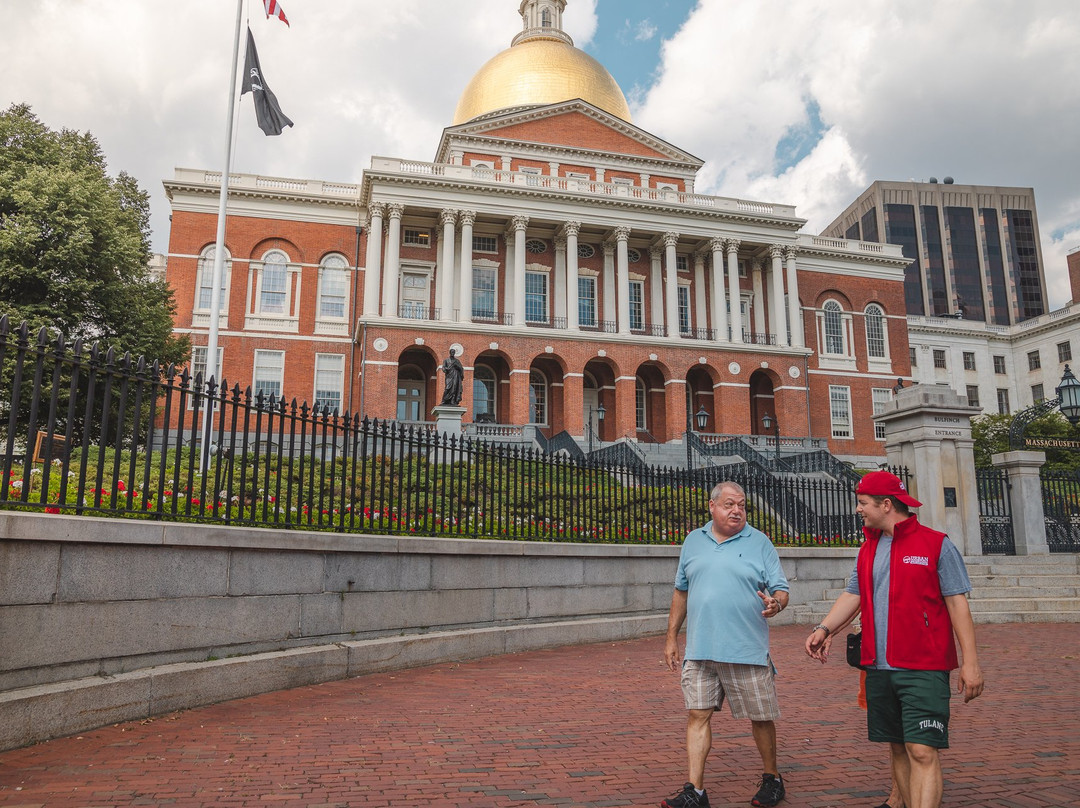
pixel 920 630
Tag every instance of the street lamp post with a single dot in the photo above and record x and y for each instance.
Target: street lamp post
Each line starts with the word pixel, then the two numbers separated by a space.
pixel 600 413
pixel 772 423
pixel 701 420
pixel 1068 401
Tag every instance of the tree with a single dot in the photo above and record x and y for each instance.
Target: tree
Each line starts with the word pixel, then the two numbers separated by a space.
pixel 75 244
pixel 991 436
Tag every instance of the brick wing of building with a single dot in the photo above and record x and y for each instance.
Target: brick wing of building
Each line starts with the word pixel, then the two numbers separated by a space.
pixel 566 256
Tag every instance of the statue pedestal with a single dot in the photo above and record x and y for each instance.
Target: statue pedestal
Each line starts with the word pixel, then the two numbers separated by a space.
pixel 448 420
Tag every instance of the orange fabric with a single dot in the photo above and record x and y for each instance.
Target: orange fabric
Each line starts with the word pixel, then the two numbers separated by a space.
pixel 862 689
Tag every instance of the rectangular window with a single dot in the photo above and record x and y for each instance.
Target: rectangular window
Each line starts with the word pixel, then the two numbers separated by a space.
pixel 275 278
pixel 412 237
pixel 1064 351
pixel 881 397
pixel 1003 401
pixel 684 309
pixel 198 365
pixel 329 376
pixel 1034 362
pixel 999 365
pixel 840 410
pixel 1037 393
pixel 913 355
pixel 586 302
pixel 973 395
pixel 483 293
pixel 536 297
pixel 532 175
pixel 206 287
pixel 269 373
pixel 488 244
pixel 969 360
pixel 681 264
pixel 939 358
pixel 637 306
pixel 332 293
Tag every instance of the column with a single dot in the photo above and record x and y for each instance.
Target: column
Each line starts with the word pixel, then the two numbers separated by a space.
pixel 656 286
pixel 732 247
pixel 671 286
pixel 699 292
pixel 609 282
pixel 622 267
pixel 758 326
pixel 1025 499
pixel 464 312
pixel 570 231
pixel 373 258
pixel 719 299
pixel 508 276
pixel 445 284
pixel 777 309
pixel 521 223
pixel 393 260
pixel 798 331
pixel 558 291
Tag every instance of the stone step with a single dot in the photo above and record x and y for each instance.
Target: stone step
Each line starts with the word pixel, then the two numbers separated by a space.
pixel 1025 580
pixel 983 591
pixel 1017 565
pixel 1025 604
pixel 989 618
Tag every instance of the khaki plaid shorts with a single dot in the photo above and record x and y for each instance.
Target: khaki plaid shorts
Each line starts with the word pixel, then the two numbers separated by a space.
pixel 750 689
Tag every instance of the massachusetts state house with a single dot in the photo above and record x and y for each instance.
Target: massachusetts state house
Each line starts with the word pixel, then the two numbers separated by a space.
pixel 567 256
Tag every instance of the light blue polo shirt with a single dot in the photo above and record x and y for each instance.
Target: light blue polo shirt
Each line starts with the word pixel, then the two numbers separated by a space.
pixel 723 612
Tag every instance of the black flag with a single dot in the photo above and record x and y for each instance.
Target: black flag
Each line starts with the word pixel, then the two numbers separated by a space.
pixel 271 119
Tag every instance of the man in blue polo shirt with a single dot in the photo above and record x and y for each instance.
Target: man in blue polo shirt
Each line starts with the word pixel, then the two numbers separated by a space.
pixel 729 582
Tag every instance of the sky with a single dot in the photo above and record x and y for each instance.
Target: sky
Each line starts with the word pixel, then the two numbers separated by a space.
pixel 802 102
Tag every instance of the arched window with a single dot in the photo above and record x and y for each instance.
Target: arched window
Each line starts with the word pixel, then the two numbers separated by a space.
pixel 333 287
pixel 875 332
pixel 834 328
pixel 545 18
pixel 206 280
pixel 274 285
pixel 641 397
pixel 484 394
pixel 538 398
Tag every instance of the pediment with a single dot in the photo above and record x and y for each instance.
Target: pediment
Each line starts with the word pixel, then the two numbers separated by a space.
pixel 575 126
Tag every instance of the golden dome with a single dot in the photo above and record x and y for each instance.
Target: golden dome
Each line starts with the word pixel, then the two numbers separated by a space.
pixel 536 72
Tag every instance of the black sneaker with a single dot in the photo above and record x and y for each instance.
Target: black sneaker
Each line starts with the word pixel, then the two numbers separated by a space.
pixel 687 798
pixel 771 791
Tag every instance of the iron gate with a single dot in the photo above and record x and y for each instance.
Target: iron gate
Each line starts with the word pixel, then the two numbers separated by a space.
pixel 1061 510
pixel 995 513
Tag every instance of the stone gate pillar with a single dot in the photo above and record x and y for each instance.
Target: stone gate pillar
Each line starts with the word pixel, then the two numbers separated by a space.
pixel 1025 499
pixel 928 430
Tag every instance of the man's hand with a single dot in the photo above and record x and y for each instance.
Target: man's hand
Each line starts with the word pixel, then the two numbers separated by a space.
pixel 970 681
pixel 671 654
pixel 774 604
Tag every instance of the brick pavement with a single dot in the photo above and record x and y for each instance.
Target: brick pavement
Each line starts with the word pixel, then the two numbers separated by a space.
pixel 597 725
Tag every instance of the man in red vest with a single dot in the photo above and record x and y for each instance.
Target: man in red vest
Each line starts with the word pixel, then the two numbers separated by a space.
pixel 911 584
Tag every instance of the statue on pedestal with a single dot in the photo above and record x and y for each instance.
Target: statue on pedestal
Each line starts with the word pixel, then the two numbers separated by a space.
pixel 454 373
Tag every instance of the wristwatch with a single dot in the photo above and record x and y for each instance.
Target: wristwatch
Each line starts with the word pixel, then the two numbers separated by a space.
pixel 824 628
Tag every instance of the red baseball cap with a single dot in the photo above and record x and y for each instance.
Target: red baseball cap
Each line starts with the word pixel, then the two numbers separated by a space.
pixel 884 484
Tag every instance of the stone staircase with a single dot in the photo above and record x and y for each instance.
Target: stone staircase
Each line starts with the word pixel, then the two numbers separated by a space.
pixel 1005 589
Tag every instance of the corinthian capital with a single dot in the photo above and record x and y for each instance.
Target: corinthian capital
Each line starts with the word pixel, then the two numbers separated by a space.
pixel 732 246
pixel 671 239
pixel 447 217
pixel 776 250
pixel 396 210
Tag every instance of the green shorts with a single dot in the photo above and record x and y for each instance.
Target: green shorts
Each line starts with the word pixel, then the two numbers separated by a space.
pixel 908 707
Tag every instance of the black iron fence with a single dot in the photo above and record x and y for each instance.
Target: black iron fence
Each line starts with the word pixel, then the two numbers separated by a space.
pixel 1061 510
pixel 995 511
pixel 89 432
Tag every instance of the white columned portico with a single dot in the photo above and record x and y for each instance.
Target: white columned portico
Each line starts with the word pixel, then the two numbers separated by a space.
pixel 656 285
pixel 719 299
pixel 570 232
pixel 445 285
pixel 671 286
pixel 699 291
pixel 798 338
pixel 393 260
pixel 622 267
pixel 758 286
pixel 521 224
pixel 373 258
pixel 465 269
pixel 609 283
pixel 734 295
pixel 777 309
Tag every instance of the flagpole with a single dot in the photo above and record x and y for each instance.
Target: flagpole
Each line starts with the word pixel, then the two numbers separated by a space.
pixel 219 244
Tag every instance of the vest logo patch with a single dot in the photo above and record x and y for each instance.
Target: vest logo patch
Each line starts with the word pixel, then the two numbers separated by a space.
pixel 923 561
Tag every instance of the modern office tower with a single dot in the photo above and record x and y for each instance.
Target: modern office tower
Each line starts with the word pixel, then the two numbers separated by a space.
pixel 974 249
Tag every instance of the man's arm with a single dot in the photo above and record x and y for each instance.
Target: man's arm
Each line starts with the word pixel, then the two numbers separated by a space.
pixel 971 678
pixel 676 618
pixel 846 606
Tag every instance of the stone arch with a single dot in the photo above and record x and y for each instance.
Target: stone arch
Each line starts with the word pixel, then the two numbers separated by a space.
pixel 650 395
pixel 417 385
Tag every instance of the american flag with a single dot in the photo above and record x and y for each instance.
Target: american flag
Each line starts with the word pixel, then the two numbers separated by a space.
pixel 274 9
